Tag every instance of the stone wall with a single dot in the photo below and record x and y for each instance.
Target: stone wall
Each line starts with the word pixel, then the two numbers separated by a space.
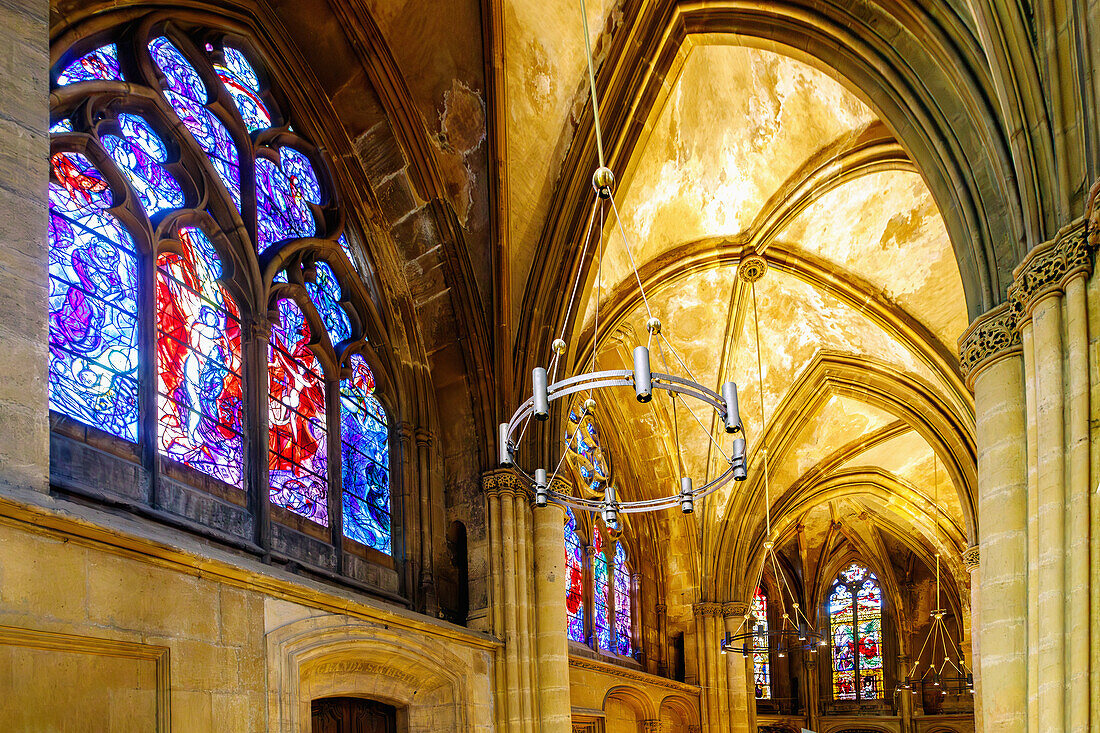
pixel 112 624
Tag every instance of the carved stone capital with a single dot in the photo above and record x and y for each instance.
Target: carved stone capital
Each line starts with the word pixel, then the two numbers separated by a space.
pixel 990 337
pixel 971 558
pixel 707 609
pixel 1048 267
pixel 735 609
pixel 423 437
pixel 499 482
pixel 653 726
pixel 661 608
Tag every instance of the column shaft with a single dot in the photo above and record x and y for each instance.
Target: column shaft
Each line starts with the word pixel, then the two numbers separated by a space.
pixel 1050 436
pixel 523 611
pixel 511 641
pixel 1002 496
pixel 552 641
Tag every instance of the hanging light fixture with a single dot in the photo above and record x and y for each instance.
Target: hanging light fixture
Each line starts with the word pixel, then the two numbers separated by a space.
pixel 682 389
pixel 944 674
pixel 796 632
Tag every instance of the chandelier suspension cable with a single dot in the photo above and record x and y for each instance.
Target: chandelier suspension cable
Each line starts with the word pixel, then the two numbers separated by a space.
pixel 592 83
pixel 559 355
pixel 760 396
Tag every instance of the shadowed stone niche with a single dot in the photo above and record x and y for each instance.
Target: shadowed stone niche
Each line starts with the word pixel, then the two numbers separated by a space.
pixel 332 656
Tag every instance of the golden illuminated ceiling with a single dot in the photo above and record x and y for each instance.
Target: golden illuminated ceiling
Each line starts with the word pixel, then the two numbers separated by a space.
pixel 860 311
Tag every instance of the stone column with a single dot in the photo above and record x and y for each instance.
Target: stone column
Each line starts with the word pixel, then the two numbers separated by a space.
pixel 904 698
pixel 971 558
pixel 734 617
pixel 423 465
pixel 991 354
pixel 813 696
pixel 662 640
pixel 552 640
pixel 715 701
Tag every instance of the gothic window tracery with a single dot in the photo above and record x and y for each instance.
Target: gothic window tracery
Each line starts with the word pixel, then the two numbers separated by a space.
pixel 855 622
pixel 144 210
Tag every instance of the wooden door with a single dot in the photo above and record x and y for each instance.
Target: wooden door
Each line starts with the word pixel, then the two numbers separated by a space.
pixel 352 715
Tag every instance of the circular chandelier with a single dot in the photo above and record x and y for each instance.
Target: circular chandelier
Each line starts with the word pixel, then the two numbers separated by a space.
pixel 682 389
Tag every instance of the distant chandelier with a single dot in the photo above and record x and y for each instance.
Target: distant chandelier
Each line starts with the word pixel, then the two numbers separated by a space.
pixel 546 387
pixel 943 674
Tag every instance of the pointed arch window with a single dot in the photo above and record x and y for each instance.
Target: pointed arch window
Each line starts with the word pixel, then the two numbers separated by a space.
pixel 574 575
pixel 855 622
pixel 761 662
pixel 624 626
pixel 182 291
pixel 601 593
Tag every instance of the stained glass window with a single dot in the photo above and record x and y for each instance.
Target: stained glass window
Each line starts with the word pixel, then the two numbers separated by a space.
pixel 623 624
pixel 139 155
pixel 574 578
pixel 855 620
pixel 761 662
pixel 101 63
pixel 243 85
pixel 194 329
pixel 585 451
pixel 297 430
pixel 187 94
pixel 199 361
pixel 93 268
pixel 282 201
pixel 325 294
pixel 601 589
pixel 366 460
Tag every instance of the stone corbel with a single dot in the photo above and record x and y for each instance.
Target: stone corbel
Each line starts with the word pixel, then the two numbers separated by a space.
pixel 971 558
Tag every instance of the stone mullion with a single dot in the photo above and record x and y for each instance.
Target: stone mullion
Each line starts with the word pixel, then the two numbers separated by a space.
pixel 255 354
pixel 334 464
pixel 148 413
pixel 589 591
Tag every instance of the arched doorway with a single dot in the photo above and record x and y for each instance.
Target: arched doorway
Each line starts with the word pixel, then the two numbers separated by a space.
pixel 352 715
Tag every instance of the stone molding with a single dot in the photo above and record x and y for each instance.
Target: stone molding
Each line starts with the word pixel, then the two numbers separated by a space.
pixel 735 609
pixel 1044 271
pixel 971 558
pixel 707 609
pixel 990 337
pixel 630 674
pixel 1048 267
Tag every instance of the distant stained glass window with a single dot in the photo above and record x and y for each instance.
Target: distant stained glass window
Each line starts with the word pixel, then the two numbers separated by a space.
pixel 199 362
pixel 601 594
pixel 761 662
pixel 574 578
pixel 297 428
pixel 623 623
pixel 855 621
pixel 585 452
pixel 365 455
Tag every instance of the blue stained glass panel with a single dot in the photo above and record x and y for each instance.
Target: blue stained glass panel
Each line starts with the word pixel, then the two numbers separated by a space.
pixel 101 63
pixel 178 71
pixel 282 212
pixel 365 453
pixel 243 85
pixel 297 427
pixel 303 179
pixel 200 396
pixel 325 293
pixel 93 305
pixel 62 125
pixel 139 155
pixel 213 138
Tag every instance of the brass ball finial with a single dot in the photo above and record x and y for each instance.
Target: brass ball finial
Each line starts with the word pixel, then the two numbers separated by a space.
pixel 603 180
pixel 590 405
pixel 752 268
pixel 558 346
pixel 653 325
pixel 769 545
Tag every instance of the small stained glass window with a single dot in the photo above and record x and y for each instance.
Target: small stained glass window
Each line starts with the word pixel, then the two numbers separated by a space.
pixel 243 85
pixel 140 156
pixel 199 361
pixel 93 302
pixel 297 427
pixel 574 578
pixel 101 63
pixel 623 618
pixel 601 592
pixel 325 294
pixel 761 663
pixel 365 455
pixel 855 622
